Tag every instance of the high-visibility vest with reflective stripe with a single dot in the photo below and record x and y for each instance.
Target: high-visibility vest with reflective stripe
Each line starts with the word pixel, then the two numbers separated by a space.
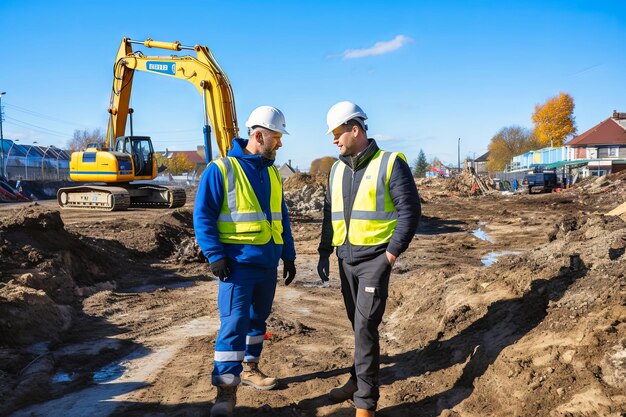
pixel 241 219
pixel 374 216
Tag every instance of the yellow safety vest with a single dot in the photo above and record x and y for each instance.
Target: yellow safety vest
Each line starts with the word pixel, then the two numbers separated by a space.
pixel 241 219
pixel 374 216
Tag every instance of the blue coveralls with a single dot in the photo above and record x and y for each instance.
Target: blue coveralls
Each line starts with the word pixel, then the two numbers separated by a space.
pixel 245 299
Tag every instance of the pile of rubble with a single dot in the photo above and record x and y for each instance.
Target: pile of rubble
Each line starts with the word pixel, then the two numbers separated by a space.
pixel 304 194
pixel 466 184
pixel 603 184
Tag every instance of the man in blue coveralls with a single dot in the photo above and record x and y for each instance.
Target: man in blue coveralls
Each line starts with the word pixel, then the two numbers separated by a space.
pixel 242 226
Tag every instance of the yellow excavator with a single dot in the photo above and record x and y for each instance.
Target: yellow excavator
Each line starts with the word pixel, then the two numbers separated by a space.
pixel 127 159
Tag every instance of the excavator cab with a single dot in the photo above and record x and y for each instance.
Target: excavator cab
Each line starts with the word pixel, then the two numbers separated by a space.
pixel 142 153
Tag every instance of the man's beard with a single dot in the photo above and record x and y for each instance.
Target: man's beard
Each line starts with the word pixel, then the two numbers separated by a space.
pixel 269 154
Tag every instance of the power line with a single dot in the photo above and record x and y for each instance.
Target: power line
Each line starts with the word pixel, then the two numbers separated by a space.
pixel 21 123
pixel 40 115
pixel 160 132
pixel 44 116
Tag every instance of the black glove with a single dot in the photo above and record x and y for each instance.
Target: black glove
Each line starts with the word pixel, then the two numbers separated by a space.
pixel 323 268
pixel 220 269
pixel 289 271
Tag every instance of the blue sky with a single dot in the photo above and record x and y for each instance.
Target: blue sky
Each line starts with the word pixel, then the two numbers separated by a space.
pixel 425 72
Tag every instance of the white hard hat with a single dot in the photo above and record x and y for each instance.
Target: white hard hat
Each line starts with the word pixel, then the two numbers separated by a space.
pixel 268 117
pixel 343 112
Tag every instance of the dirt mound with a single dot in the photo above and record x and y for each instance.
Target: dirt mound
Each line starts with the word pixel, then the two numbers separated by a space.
pixel 153 236
pixel 28 315
pixel 46 268
pixel 34 240
pixel 534 332
pixel 33 218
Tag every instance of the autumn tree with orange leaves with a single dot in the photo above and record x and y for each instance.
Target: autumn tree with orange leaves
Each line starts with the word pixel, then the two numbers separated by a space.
pixel 322 166
pixel 176 164
pixel 554 120
pixel 507 143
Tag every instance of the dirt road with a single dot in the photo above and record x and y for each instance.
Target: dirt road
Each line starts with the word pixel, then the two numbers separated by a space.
pixel 502 306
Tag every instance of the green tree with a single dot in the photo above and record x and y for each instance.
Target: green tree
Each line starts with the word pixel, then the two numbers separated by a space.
pixel 507 143
pixel 420 165
pixel 82 138
pixel 554 120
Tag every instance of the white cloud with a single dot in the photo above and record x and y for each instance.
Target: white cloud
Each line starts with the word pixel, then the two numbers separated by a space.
pixel 379 48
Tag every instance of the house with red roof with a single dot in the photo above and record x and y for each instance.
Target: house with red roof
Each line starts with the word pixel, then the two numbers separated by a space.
pixel 603 146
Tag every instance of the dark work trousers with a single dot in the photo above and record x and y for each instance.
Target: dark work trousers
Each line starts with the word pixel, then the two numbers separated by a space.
pixel 365 287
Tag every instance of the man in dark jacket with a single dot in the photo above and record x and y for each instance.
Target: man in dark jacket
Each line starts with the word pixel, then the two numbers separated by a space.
pixel 242 226
pixel 371 213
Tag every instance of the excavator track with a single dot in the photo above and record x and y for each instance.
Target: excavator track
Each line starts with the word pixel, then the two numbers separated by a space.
pixel 157 196
pixel 94 197
pixel 108 198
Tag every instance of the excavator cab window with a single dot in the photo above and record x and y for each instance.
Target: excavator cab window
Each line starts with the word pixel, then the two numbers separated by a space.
pixel 142 155
pixel 140 148
pixel 123 145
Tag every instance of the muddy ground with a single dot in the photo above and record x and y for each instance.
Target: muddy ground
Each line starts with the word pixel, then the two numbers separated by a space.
pixel 504 305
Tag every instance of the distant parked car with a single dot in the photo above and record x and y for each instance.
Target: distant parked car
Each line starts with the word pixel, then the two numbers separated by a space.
pixel 543 182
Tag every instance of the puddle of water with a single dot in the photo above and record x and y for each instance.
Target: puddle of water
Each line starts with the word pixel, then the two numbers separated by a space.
pixel 116 369
pixel 153 287
pixel 61 377
pixel 109 373
pixel 482 235
pixel 492 257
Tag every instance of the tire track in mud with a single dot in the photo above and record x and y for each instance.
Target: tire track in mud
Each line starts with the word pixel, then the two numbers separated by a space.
pixel 104 398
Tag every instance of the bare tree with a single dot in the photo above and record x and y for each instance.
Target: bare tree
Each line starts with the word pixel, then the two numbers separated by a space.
pixel 82 138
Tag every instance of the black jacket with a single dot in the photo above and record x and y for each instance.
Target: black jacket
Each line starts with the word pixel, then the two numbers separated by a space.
pixel 403 194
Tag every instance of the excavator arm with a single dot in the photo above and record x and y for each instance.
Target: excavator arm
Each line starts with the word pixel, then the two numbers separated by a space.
pixel 202 71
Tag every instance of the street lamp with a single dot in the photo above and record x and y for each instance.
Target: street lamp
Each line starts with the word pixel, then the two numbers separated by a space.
pixel 459 156
pixel 6 166
pixel 1 135
pixel 26 158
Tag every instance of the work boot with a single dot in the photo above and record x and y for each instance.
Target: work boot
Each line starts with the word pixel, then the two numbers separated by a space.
pixel 364 413
pixel 345 392
pixel 225 401
pixel 253 376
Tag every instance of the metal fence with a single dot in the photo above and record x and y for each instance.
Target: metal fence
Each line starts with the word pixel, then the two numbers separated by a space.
pixel 509 176
pixel 21 168
pixel 31 162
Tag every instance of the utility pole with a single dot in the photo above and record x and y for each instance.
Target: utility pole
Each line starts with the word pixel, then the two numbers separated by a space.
pixel 1 136
pixel 459 156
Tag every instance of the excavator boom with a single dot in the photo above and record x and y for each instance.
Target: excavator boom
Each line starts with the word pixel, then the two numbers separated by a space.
pixel 203 71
